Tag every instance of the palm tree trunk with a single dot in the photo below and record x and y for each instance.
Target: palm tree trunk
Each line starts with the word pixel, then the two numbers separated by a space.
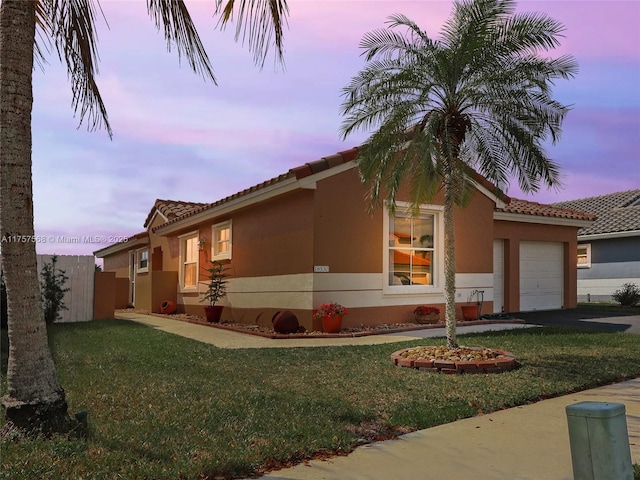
pixel 450 262
pixel 35 402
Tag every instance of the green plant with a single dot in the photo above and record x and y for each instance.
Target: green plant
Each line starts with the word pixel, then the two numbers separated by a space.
pixel 329 310
pixel 52 285
pixel 217 286
pixel 628 295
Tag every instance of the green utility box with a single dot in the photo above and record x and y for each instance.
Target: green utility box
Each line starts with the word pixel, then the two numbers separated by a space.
pixel 599 441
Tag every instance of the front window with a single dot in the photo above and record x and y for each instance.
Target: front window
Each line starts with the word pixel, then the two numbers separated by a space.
pixel 411 249
pixel 584 256
pixel 189 260
pixel 221 244
pixel 143 260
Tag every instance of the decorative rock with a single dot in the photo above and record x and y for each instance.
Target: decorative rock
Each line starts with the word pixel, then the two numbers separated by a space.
pixel 285 322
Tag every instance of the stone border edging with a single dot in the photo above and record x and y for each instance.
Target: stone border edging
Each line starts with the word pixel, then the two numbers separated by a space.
pixel 280 336
pixel 504 362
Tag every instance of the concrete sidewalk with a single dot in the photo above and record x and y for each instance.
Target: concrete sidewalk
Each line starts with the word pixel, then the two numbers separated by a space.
pixel 527 442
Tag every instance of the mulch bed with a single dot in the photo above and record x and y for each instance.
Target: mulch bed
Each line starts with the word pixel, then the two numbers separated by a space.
pixel 347 332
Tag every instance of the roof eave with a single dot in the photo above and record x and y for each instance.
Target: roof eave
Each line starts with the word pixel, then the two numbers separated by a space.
pixel 226 208
pixel 137 240
pixel 606 236
pixel 541 219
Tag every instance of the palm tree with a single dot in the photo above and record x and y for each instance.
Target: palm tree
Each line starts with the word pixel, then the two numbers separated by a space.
pixel 35 401
pixel 476 99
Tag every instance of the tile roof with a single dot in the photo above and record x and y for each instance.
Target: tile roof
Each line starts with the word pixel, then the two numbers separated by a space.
pixel 173 209
pixel 299 172
pixel 615 211
pixel 525 207
pixel 176 211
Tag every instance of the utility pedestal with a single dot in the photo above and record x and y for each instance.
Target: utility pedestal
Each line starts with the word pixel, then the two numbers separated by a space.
pixel 599 441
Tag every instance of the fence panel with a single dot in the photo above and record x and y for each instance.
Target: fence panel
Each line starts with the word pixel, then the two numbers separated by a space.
pixel 79 299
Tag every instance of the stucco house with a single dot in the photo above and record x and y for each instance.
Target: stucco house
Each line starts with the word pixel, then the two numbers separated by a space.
pixel 609 248
pixel 307 237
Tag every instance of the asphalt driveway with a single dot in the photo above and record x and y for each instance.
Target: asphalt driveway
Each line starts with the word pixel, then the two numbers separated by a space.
pixel 584 318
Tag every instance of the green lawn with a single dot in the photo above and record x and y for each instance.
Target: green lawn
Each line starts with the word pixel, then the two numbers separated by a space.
pixel 162 406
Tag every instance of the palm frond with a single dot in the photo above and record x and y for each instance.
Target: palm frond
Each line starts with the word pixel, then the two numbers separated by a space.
pixel 260 22
pixel 173 18
pixel 73 32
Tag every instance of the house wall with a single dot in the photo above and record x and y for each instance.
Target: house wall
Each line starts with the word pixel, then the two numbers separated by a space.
pixel 614 262
pixel 515 232
pixel 122 292
pixel 142 299
pixel 332 227
pixel 104 297
pixel 164 288
pixel 118 263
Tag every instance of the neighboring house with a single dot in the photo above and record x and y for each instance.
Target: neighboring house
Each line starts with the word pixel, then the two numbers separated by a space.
pixel 609 248
pixel 308 237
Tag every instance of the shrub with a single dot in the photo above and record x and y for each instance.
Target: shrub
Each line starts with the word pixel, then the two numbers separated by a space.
pixel 628 295
pixel 52 290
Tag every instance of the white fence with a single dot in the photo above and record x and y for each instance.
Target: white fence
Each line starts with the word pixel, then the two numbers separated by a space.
pixel 79 299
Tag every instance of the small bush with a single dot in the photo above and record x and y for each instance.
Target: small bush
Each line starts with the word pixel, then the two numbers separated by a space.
pixel 52 288
pixel 628 295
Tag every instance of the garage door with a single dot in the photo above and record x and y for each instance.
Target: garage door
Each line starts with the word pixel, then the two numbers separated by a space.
pixel 541 276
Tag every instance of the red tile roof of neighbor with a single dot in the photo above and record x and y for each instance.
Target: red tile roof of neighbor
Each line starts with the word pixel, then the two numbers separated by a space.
pixel 177 210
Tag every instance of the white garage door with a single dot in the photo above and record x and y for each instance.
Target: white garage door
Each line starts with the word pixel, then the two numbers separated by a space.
pixel 541 276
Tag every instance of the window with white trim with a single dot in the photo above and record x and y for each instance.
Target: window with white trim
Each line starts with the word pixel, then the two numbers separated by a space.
pixel 413 249
pixel 142 260
pixel 584 255
pixel 189 260
pixel 221 241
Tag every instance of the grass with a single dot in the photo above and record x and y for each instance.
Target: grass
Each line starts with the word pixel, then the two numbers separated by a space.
pixel 609 308
pixel 162 406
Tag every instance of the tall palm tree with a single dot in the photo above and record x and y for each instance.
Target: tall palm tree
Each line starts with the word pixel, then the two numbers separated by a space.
pixel 478 98
pixel 35 401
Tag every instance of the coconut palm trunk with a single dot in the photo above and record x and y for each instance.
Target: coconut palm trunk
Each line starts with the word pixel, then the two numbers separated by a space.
pixel 35 401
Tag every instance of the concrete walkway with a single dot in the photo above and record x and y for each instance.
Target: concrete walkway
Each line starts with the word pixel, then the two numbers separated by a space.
pixel 527 442
pixel 230 339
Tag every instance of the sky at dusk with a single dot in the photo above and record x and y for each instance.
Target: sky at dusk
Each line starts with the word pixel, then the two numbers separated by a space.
pixel 181 138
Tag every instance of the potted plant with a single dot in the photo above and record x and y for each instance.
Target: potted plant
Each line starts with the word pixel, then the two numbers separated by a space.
pixel 331 316
pixel 216 289
pixel 471 311
pixel 426 314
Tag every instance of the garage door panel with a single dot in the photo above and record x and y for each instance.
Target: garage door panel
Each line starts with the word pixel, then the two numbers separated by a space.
pixel 541 275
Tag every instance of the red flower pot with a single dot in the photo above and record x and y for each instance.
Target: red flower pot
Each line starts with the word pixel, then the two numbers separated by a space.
pixel 332 324
pixel 470 312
